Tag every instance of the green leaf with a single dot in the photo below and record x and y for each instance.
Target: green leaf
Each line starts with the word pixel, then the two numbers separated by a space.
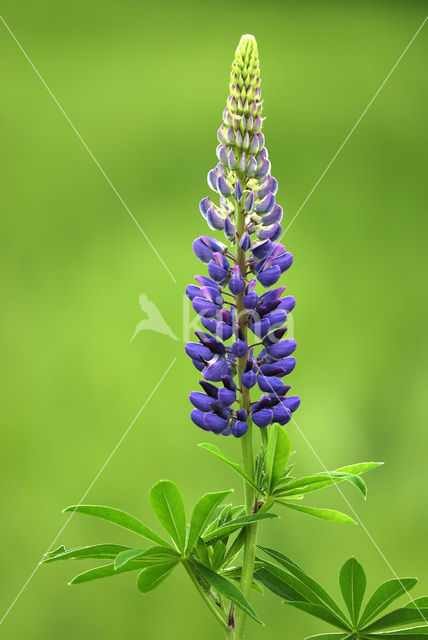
pixel 201 515
pixel 421 602
pixel 277 455
pixel 316 588
pixel 324 514
pixel 353 586
pixel 146 557
pixel 300 591
pixel 225 516
pixel 152 577
pixel 105 571
pixel 360 467
pixel 218 555
pixel 272 581
pixel 319 611
pixel 384 595
pixel 236 524
pixel 411 633
pixel 168 505
pixel 96 551
pixel 328 636
pixel 120 518
pixel 257 587
pixel 202 552
pixel 226 588
pixel 216 451
pixel 324 479
pixel 405 615
pixel 128 555
pixel 236 546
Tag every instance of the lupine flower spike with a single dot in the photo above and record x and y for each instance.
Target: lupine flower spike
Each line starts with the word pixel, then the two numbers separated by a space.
pixel 244 356
pixel 245 343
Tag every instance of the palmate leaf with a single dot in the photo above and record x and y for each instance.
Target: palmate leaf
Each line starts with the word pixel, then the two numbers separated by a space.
pixel 277 455
pixel 152 577
pixel 236 524
pixel 316 588
pixel 299 590
pixel 403 616
pixel 168 506
pixel 324 514
pixel 349 473
pixel 353 581
pixel 410 633
pixel 302 592
pixel 329 636
pixel 274 582
pixel 319 611
pixel 202 512
pixel 384 595
pixel 216 451
pixel 146 557
pixel 95 552
pixel 120 518
pixel 318 481
pixel 226 588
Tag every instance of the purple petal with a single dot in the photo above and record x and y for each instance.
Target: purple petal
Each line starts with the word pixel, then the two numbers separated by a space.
pixel 200 400
pixel 196 351
pixel 282 415
pixel 262 418
pixel 270 384
pixel 266 205
pixel 288 303
pixel 198 418
pixel 226 397
pixel 215 369
pixel 223 187
pixel 204 307
pixel 214 423
pixel 240 348
pixel 281 349
pixel 249 379
pixel 268 277
pixel 239 429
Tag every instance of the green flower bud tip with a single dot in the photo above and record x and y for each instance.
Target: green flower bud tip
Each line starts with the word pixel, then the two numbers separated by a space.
pixel 244 98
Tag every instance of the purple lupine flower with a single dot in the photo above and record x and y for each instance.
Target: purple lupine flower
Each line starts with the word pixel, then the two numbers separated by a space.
pixel 232 298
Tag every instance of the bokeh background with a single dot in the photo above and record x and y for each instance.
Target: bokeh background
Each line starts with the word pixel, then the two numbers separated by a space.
pixel 145 84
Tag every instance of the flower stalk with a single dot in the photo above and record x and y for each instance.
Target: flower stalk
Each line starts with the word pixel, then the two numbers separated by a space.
pixel 248 214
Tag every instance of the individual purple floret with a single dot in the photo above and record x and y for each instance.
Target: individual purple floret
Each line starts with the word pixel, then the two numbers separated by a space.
pixel 244 344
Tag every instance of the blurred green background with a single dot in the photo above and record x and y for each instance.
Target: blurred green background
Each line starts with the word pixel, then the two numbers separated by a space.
pixel 145 84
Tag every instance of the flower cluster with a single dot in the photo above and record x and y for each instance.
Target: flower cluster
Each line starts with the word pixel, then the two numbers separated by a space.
pixel 227 299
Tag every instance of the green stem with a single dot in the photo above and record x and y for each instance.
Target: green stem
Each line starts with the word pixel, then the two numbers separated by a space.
pixel 247 444
pixel 211 606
